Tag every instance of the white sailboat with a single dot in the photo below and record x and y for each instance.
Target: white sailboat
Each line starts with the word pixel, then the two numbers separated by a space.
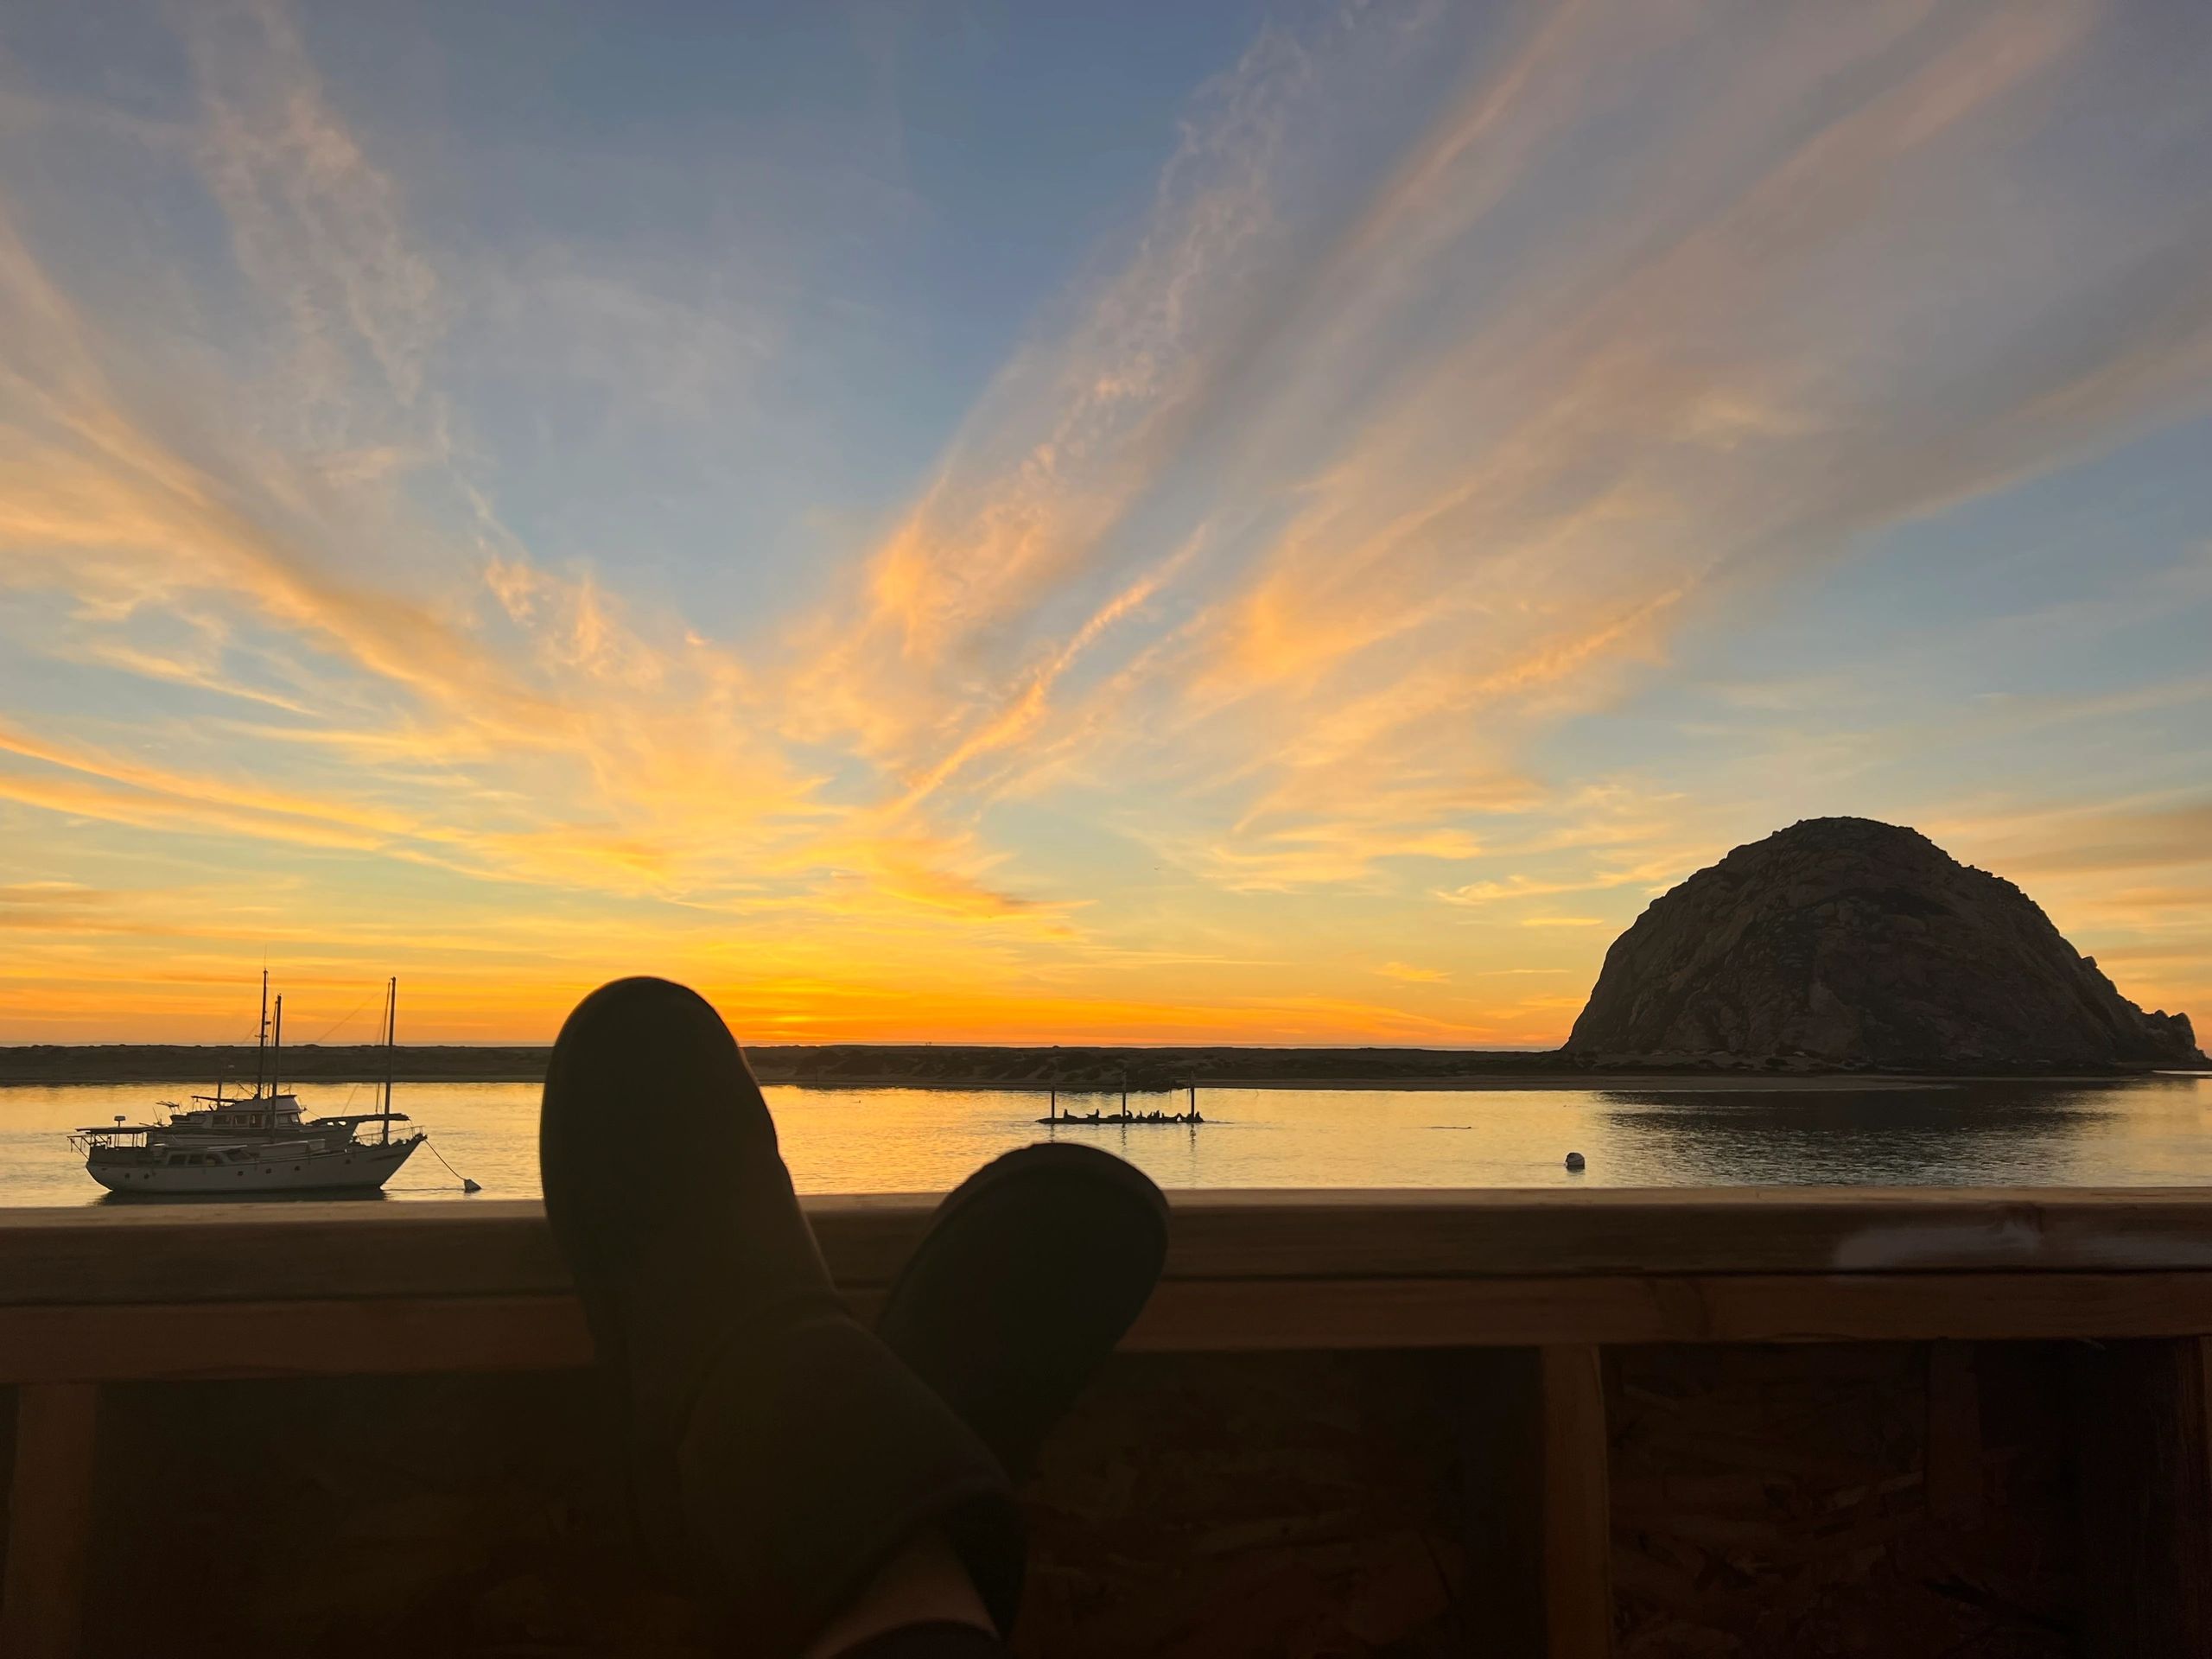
pixel 247 1145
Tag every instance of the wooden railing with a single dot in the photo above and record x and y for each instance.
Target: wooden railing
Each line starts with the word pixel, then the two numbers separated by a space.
pixel 107 1294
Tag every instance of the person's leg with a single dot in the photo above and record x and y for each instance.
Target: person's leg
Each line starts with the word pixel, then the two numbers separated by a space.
pixel 783 1461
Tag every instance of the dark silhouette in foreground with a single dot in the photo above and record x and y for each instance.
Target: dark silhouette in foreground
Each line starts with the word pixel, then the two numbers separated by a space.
pixel 821 1488
pixel 1847 942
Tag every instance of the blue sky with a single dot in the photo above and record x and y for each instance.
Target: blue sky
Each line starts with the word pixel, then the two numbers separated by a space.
pixel 1282 523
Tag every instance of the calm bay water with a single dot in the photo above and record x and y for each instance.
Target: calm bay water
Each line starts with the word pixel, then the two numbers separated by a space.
pixel 2151 1132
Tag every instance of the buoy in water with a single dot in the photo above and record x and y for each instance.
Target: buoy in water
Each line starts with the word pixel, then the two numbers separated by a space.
pixel 1575 1161
pixel 468 1185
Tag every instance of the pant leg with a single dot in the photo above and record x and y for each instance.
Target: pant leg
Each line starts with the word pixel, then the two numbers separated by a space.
pixel 931 1641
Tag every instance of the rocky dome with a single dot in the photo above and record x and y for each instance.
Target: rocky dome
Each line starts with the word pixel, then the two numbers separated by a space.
pixel 1855 943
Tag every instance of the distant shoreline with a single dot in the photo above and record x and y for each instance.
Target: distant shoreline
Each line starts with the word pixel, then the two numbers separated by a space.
pixel 1071 1069
pixel 898 1065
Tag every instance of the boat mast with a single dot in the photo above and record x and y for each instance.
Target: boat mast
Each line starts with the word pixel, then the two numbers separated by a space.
pixel 275 1050
pixel 261 1037
pixel 390 1038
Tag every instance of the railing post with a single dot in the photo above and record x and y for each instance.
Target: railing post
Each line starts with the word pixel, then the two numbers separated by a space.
pixel 1539 1582
pixel 1578 1507
pixel 50 1519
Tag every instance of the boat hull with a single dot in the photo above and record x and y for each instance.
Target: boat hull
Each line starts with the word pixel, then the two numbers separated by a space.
pixel 356 1167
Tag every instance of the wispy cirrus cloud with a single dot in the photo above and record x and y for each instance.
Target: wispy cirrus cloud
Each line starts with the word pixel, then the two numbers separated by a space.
pixel 531 727
pixel 1498 518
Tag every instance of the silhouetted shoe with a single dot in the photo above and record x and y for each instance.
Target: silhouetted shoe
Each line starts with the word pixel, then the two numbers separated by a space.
pixel 778 1453
pixel 1030 1271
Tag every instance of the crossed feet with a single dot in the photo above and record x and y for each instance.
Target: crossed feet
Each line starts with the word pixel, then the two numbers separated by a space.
pixel 823 1488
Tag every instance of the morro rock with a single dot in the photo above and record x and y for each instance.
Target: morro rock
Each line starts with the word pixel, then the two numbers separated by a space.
pixel 1852 942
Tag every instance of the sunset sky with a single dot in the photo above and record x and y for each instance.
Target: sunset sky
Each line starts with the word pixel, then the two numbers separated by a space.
pixel 1272 524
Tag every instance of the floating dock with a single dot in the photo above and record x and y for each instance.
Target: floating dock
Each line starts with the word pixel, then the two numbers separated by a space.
pixel 1087 1119
pixel 1191 1117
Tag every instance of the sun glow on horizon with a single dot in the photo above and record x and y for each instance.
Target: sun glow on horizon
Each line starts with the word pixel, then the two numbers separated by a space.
pixel 1279 527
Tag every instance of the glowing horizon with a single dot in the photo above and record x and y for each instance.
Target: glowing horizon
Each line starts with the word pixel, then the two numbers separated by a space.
pixel 1275 525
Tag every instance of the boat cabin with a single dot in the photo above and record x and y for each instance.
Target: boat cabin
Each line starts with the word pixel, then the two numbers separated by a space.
pixel 265 1112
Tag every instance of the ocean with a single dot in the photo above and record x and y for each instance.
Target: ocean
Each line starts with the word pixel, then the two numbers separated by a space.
pixel 2154 1131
